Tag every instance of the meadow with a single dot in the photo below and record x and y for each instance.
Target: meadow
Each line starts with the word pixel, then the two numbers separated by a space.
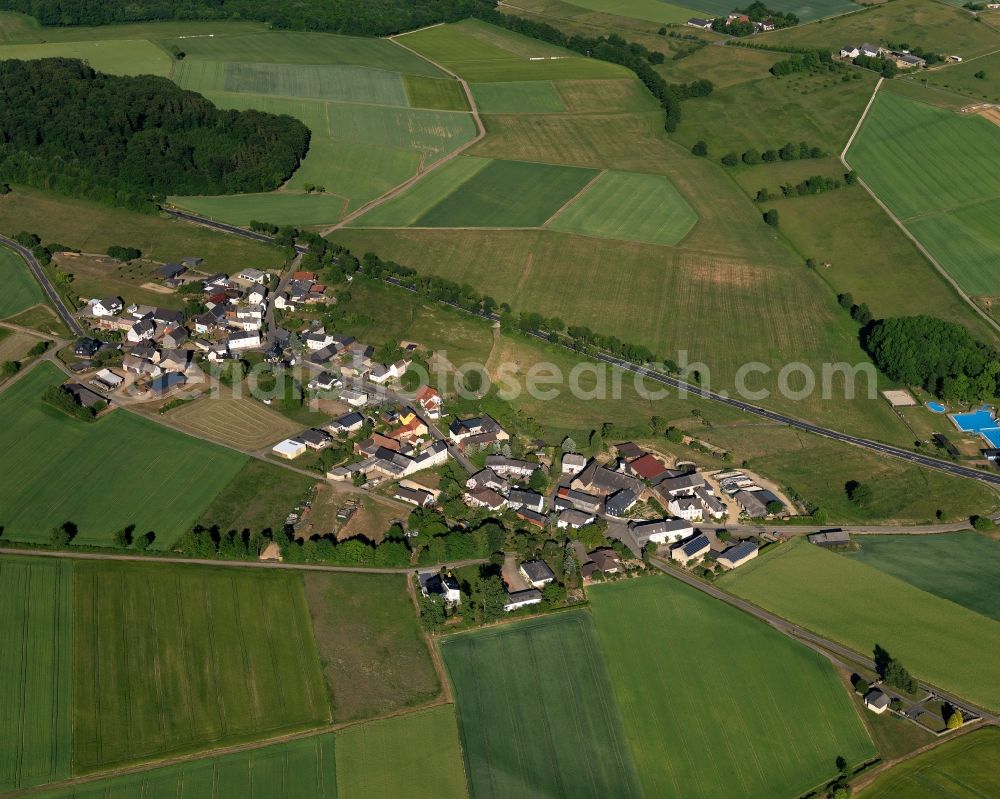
pixel 715 704
pixel 416 756
pixel 956 566
pixel 36 627
pixel 259 497
pixel 518 97
pixel 649 10
pixel 962 78
pixel 805 10
pixel 365 624
pixel 21 290
pixel 860 606
pixel 964 768
pixel 116 57
pixel 41 318
pixel 305 768
pixel 952 197
pixel 175 658
pixel 279 208
pixel 536 712
pixel 57 467
pixel 436 93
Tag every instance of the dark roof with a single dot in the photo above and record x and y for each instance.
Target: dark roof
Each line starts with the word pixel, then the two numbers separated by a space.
pixel 87 346
pixel 168 315
pixel 517 496
pixel 524 596
pixel 83 395
pixel 349 420
pixel 628 450
pixel 740 551
pixel 313 436
pixel 620 501
pixel 538 570
pixel 166 381
pixel 171 270
pixel 695 545
pixel 830 538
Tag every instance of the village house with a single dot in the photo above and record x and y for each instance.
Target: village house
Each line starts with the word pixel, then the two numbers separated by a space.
pixel 430 400
pixel 692 550
pixel 573 463
pixel 243 339
pixel 574 519
pixel 414 496
pixel 356 399
pixel 522 599
pixel 86 347
pixel 442 585
pixel 689 508
pixel 483 497
pixel 620 503
pixel 877 701
pixel 579 500
pixel 109 306
pixel 315 439
pixel 604 560
pixel 660 531
pixel 510 467
pixel 703 24
pixel 487 478
pixel 600 480
pixel 348 423
pixel 250 276
pixel 324 381
pixel 143 330
pixel 518 498
pixel 681 486
pixel 537 573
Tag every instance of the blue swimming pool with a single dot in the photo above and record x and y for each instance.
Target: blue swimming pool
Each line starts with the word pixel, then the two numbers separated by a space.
pixel 975 421
pixel 992 435
pixel 937 407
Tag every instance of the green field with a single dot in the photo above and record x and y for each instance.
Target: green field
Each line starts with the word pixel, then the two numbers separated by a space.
pixel 938 641
pixel 116 57
pixel 950 202
pixel 965 768
pixel 606 96
pixel 259 497
pixel 517 97
pixel 536 711
pixel 280 208
pixel 303 769
pixel 805 10
pixel 57 469
pixel 436 93
pixel 373 652
pixel 649 10
pixel 174 658
pixel 21 290
pixel 416 756
pixel 701 685
pixel 956 566
pixel 37 633
pixel 962 78
pixel 629 206
pixel 484 54
pixel 430 132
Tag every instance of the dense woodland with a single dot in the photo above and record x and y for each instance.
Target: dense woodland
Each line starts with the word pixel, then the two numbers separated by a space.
pixel 356 17
pixel 130 140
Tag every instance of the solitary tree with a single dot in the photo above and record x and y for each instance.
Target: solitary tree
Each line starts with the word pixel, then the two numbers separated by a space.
pixel 955 720
pixel 771 217
pixel 700 148
pixel 859 493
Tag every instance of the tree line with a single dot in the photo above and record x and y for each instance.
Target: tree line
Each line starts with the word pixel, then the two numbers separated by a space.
pixel 130 141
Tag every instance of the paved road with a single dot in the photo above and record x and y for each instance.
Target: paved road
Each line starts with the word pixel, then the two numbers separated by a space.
pixel 46 284
pixel 820 644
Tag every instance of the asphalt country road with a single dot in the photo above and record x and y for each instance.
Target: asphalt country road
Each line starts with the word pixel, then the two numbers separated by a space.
pixel 46 284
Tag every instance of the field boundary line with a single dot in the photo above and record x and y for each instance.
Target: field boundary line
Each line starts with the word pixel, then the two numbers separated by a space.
pixel 575 197
pixel 916 243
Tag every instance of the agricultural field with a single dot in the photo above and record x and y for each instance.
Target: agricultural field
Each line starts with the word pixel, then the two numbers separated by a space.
pixel 715 705
pixel 14 345
pixel 54 460
pixel 956 566
pixel 279 208
pixel 629 206
pixel 964 768
pixel 950 204
pixel 21 290
pixel 649 10
pixel 238 421
pixel 41 318
pixel 37 630
pixel 372 650
pixel 305 768
pixel 548 728
pixel 805 10
pixel 962 78
pixel 116 57
pixel 518 97
pixel 174 658
pixel 259 497
pixel 415 756
pixel 441 94
pixel 938 641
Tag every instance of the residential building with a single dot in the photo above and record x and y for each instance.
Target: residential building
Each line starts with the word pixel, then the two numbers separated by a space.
pixel 109 306
pixel 526 499
pixel 244 339
pixel 86 347
pixel 537 573
pixel 251 276
pixel 414 496
pixel 682 486
pixel 574 519
pixel 603 560
pixel 691 550
pixel 877 701
pixel 620 503
pixel 739 554
pixel 696 22
pixel 324 381
pixel 485 498
pixel 689 508
pixel 510 467
pixel 661 531
pixel 581 500
pixel 600 480
pixel 315 439
pixel 486 478
pixel 870 50
pixel 430 400
pixel 143 330
pixel 348 423
pixel 850 51
pixel 443 585
pixel 356 399
pixel 521 599
pixel 573 463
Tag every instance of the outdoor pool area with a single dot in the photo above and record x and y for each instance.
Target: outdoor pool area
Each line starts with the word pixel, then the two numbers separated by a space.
pixel 981 421
pixel 936 407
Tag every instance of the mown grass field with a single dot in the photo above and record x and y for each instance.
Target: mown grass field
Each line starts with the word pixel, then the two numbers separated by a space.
pixel 365 624
pixel 716 704
pixel 605 96
pixel 629 206
pixel 305 768
pixel 117 57
pixel 518 97
pixel 58 469
pixel 436 93
pixel 938 641
pixel 241 422
pixel 21 290
pixel 430 132
pixel 950 202
pixel 964 768
pixel 416 756
pixel 36 626
pixel 956 566
pixel 174 658
pixel 536 711
pixel 259 497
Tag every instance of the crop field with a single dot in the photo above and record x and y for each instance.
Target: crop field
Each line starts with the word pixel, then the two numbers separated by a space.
pixel 714 746
pixel 305 768
pixel 518 97
pixel 21 290
pixel 431 132
pixel 951 197
pixel 14 345
pixel 938 640
pixel 956 566
pixel 483 53
pixel 964 768
pixel 605 96
pixel 239 421
pixel 648 10
pixel 374 656
pixel 441 94
pixel 629 206
pixel 37 631
pixel 259 497
pixel 415 756
pixel 117 57
pixel 173 658
pixel 56 465
pixel 536 712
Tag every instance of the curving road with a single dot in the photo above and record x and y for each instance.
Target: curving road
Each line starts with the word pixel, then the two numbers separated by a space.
pixel 46 284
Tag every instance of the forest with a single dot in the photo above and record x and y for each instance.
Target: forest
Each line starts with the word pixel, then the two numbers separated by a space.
pixel 131 140
pixel 354 17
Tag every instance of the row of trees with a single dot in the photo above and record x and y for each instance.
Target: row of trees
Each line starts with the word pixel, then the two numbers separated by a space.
pixel 132 140
pixel 816 184
pixel 789 152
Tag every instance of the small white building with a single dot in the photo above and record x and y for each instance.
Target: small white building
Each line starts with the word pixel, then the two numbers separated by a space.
pixel 109 306
pixel 877 701
pixel 521 599
pixel 244 339
pixel 572 463
pixel 251 276
pixel 289 449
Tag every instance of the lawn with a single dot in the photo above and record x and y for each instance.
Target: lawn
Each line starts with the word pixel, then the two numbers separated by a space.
pixel 536 711
pixel 177 658
pixel 305 768
pixel 239 421
pixel 696 710
pixel 120 470
pixel 21 290
pixel 957 566
pixel 952 197
pixel 964 768
pixel 517 97
pixel 416 756
pixel 116 56
pixel 629 206
pixel 937 640
pixel 373 653
pixel 37 631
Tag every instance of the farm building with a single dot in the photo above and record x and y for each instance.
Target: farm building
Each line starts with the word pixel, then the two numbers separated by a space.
pixel 573 463
pixel 739 554
pixel 691 550
pixel 663 531
pixel 697 22
pixel 831 538
pixel 289 449
pixel 751 504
